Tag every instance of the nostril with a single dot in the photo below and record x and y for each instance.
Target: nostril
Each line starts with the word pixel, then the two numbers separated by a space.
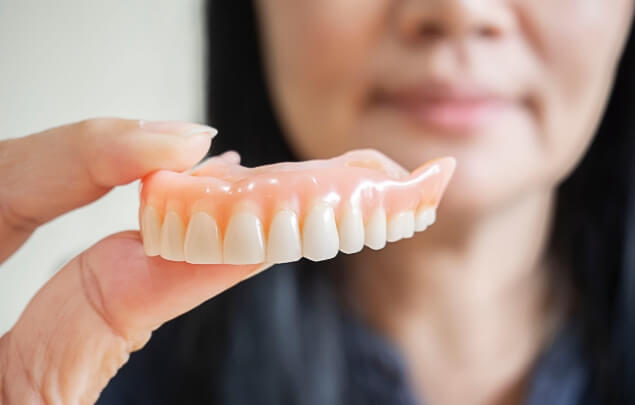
pixel 488 32
pixel 431 30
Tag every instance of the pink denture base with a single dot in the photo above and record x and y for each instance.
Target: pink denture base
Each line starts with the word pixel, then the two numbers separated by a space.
pixel 220 188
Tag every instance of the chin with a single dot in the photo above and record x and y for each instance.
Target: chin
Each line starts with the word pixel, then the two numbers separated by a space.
pixel 483 185
pixel 466 201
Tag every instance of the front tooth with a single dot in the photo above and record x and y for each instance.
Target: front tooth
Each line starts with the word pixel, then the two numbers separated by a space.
pixel 202 240
pixel 432 216
pixel 375 233
pixel 244 240
pixel 172 237
pixel 408 223
pixel 283 244
pixel 400 226
pixel 351 229
pixel 424 218
pixel 319 234
pixel 151 231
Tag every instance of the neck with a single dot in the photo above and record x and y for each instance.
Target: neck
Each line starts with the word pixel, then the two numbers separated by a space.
pixel 461 294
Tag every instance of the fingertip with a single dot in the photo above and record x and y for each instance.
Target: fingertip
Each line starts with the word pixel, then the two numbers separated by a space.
pixel 169 145
pixel 186 155
pixel 148 153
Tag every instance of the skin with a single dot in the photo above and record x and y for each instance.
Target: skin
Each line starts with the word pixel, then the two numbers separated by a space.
pixel 475 286
pixel 458 296
pixel 83 323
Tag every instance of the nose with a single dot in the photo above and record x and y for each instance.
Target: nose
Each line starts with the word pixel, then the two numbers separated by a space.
pixel 425 20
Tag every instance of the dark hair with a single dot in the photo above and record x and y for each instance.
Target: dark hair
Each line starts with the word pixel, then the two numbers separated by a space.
pixel 594 237
pixel 275 338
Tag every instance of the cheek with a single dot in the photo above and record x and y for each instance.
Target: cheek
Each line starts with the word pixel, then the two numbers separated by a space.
pixel 579 51
pixel 320 56
pixel 317 56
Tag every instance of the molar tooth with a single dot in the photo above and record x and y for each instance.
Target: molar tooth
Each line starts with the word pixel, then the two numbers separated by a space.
pixel 202 240
pixel 172 237
pixel 424 218
pixel 400 226
pixel 319 234
pixel 283 244
pixel 351 229
pixel 151 231
pixel 375 230
pixel 244 240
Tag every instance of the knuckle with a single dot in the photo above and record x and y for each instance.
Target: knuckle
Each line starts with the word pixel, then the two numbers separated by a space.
pixel 98 125
pixel 15 365
pixel 89 127
pixel 96 133
pixel 98 141
pixel 14 220
pixel 94 292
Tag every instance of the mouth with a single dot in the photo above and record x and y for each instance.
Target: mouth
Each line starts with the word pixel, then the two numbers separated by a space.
pixel 448 108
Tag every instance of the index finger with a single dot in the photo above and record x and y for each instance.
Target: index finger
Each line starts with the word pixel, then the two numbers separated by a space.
pixel 52 172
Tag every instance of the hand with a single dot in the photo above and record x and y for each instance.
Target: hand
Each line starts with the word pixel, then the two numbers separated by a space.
pixel 80 328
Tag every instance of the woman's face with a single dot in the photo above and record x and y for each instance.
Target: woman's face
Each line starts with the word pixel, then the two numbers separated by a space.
pixel 514 89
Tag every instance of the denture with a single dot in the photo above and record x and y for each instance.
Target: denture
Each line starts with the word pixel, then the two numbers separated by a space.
pixel 222 212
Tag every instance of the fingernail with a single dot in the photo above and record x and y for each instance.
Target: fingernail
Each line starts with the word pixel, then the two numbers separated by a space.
pixel 200 141
pixel 177 128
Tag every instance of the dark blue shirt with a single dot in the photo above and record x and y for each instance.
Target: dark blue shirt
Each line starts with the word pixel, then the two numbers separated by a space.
pixel 376 372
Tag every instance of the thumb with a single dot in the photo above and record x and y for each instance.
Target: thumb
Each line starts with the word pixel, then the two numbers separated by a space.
pixel 81 326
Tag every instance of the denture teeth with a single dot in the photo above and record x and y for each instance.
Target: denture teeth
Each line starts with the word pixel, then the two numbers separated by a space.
pixel 244 240
pixel 375 230
pixel 351 229
pixel 424 218
pixel 172 237
pixel 320 240
pixel 202 240
pixel 283 244
pixel 151 231
pixel 400 226
pixel 408 222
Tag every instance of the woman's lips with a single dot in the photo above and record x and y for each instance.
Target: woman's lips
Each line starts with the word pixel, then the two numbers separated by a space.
pixel 457 110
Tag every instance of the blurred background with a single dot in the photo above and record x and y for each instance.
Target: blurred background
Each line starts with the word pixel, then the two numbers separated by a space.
pixel 68 60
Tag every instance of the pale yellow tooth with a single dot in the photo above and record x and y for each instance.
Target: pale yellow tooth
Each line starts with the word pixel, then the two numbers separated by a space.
pixel 172 237
pixel 202 240
pixel 319 234
pixel 351 229
pixel 375 230
pixel 244 240
pixel 432 216
pixel 425 217
pixel 421 223
pixel 151 231
pixel 283 244
pixel 400 226
pixel 408 223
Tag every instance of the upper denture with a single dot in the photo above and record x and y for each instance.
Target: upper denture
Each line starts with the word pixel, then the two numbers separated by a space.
pixel 226 213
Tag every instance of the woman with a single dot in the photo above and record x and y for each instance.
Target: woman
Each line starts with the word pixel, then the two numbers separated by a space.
pixel 521 293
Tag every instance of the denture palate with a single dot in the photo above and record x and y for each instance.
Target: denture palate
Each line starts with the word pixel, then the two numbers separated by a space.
pixel 222 212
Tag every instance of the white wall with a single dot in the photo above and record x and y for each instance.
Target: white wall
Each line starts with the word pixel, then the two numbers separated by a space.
pixel 66 60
